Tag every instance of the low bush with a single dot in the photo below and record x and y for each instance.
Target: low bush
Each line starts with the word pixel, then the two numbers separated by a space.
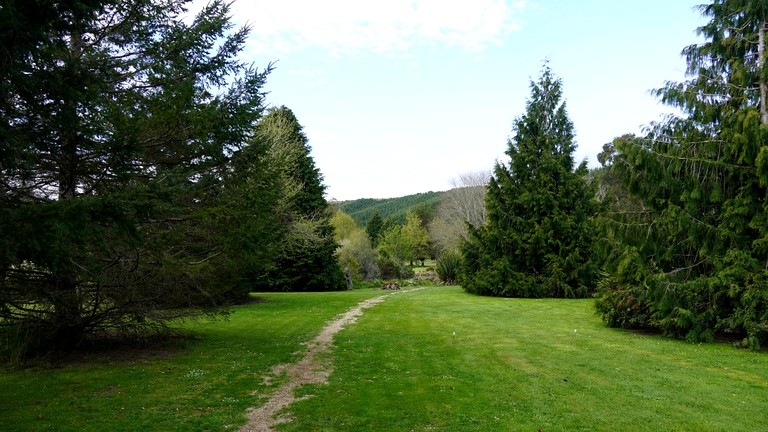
pixel 448 267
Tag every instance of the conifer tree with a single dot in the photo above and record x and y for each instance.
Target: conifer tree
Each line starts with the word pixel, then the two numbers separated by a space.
pixel 692 261
pixel 116 120
pixel 306 259
pixel 373 228
pixel 536 240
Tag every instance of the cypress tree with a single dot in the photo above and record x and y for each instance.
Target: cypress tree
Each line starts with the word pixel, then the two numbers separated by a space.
pixel 305 258
pixel 691 260
pixel 535 242
pixel 373 228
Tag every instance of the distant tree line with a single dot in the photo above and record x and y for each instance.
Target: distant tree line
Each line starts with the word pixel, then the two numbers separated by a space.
pixel 384 249
pixel 361 210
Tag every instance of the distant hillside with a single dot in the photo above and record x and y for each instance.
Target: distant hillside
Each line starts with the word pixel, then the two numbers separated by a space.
pixel 362 209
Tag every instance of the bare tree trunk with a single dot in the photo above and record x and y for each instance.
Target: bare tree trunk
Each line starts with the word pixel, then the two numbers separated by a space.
pixel 68 135
pixel 761 72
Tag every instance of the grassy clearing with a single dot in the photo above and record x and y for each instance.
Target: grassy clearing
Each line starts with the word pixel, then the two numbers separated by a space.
pixel 201 384
pixel 511 365
pixel 518 365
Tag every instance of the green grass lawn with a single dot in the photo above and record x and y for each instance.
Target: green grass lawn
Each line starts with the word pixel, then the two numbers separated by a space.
pixel 203 384
pixel 435 359
pixel 518 365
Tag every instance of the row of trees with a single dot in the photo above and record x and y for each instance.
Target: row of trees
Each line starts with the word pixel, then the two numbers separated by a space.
pixel 385 249
pixel 141 178
pixel 362 210
pixel 676 220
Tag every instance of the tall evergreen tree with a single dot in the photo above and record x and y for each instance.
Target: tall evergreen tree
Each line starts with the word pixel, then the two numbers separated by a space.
pixel 373 228
pixel 537 236
pixel 306 259
pixel 692 261
pixel 116 117
pixel 244 222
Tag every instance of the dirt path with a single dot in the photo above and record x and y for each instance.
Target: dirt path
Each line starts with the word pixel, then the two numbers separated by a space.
pixel 308 370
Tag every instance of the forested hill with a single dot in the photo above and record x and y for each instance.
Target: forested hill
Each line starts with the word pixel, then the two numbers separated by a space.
pixel 362 209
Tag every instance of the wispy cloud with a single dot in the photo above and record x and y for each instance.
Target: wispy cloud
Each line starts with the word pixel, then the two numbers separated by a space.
pixel 390 27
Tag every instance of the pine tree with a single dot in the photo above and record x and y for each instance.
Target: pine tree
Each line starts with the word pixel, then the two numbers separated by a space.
pixel 537 236
pixel 373 228
pixel 306 259
pixel 244 222
pixel 692 260
pixel 116 119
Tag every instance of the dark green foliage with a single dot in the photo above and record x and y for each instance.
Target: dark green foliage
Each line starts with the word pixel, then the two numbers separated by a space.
pixel 117 120
pixel 691 258
pixel 425 211
pixel 390 268
pixel 363 209
pixel 448 267
pixel 305 257
pixel 389 223
pixel 243 222
pixel 538 234
pixel 373 228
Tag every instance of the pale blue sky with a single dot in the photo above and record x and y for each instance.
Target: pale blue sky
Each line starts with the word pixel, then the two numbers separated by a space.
pixel 400 96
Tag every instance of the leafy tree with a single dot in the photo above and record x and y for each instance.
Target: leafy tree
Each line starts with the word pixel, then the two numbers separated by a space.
pixel 306 259
pixel 373 228
pixel 116 119
pixel 395 249
pixel 417 238
pixel 691 260
pixel 344 226
pixel 356 253
pixel 388 224
pixel 425 212
pixel 537 237
pixel 463 204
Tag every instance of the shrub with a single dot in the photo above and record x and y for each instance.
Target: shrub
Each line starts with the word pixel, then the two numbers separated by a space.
pixel 357 255
pixel 448 267
pixel 393 269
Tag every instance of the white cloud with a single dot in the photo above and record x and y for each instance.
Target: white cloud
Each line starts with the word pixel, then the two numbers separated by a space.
pixel 314 77
pixel 348 27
